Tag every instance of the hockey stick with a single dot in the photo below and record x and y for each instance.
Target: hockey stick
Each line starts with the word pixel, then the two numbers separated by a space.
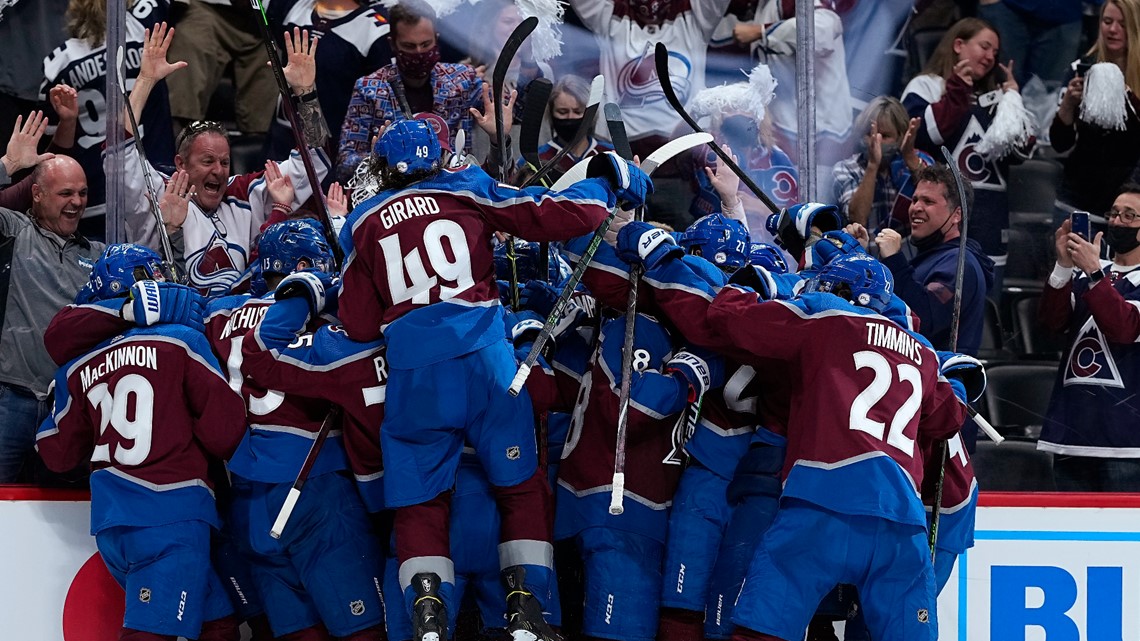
pixel 310 460
pixel 537 95
pixel 617 488
pixel 498 79
pixel 588 119
pixel 688 141
pixel 163 237
pixel 661 155
pixel 661 55
pixel 298 133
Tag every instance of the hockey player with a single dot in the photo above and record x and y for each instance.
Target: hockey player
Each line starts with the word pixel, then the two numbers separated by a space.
pixel 418 260
pixel 326 566
pixel 853 480
pixel 152 504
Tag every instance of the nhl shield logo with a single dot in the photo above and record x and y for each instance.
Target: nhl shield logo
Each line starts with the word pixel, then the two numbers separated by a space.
pixel 356 607
pixel 923 615
pixel 513 453
pixel 144 595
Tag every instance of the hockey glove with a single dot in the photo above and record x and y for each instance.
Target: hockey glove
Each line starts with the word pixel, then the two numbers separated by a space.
pixel 757 279
pixel 153 302
pixel 539 297
pixel 834 244
pixel 310 284
pixel 965 370
pixel 701 369
pixel 525 328
pixel 629 183
pixel 643 244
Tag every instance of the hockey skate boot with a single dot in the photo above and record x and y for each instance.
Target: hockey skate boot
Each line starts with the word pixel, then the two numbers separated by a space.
pixel 524 613
pixel 429 618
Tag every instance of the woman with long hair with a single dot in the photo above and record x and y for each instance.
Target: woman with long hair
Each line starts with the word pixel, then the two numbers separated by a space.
pixel 969 103
pixel 1101 158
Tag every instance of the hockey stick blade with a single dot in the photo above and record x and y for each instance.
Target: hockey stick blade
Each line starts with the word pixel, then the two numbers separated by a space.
pixel 537 95
pixel 661 55
pixel 649 164
pixel 498 80
pixel 616 126
pixel 597 87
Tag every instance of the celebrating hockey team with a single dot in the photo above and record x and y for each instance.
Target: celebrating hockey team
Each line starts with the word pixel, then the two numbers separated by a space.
pixel 546 320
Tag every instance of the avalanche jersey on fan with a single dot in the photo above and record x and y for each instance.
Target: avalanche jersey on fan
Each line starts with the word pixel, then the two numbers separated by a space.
pixel 548 151
pixel 108 404
pixel 627 57
pixel 281 427
pixel 419 262
pixel 656 401
pixel 282 355
pixel 772 170
pixel 84 68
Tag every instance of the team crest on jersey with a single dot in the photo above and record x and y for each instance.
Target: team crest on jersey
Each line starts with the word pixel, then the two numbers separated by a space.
pixel 974 167
pixel 638 84
pixel 1090 361
pixel 213 268
pixel 144 595
pixel 356 607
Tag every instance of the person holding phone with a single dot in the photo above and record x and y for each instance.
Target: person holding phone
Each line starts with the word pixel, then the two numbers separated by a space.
pixel 1099 159
pixel 1090 424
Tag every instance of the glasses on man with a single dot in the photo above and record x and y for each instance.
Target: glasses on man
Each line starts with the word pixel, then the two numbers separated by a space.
pixel 1127 216
pixel 197 127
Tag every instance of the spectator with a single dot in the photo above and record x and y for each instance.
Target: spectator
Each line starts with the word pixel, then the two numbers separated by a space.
pixel 64 100
pixel 416 83
pixel 1090 424
pixel 565 112
pixel 216 234
pixel 214 35
pixel 50 262
pixel 927 283
pixel 625 32
pixel 959 97
pixel 1101 159
pixel 1041 35
pixel 874 187
pixel 81 63
pixel 354 42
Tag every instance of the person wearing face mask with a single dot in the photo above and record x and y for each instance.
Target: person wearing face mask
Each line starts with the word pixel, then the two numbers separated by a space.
pixel 969 103
pixel 874 187
pixel 927 282
pixel 1090 426
pixel 416 83
pixel 566 110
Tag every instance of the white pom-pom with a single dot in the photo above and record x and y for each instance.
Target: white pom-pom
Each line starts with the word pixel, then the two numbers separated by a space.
pixel 750 97
pixel 1012 127
pixel 546 40
pixel 1105 96
pixel 444 7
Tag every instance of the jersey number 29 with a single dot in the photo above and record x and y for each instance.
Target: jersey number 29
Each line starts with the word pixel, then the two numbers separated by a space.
pixel 129 410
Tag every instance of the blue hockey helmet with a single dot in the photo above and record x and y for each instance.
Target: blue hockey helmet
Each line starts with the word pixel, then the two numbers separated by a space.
pixel 767 256
pixel 857 277
pixel 409 146
pixel 120 266
pixel 793 225
pixel 721 240
pixel 527 263
pixel 287 243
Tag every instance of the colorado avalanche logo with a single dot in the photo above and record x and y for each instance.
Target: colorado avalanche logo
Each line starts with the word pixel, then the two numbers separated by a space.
pixel 781 183
pixel 974 167
pixel 212 269
pixel 638 84
pixel 438 125
pixel 1090 361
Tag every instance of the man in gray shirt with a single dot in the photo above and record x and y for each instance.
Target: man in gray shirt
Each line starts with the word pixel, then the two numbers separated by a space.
pixel 50 262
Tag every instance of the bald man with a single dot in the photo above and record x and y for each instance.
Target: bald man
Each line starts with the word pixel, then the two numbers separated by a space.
pixel 50 261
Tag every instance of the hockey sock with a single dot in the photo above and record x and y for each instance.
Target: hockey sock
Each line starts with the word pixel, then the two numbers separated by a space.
pixel 525 510
pixel 744 634
pixel 681 625
pixel 422 530
pixel 223 629
pixel 311 633
pixel 374 633
pixel 127 634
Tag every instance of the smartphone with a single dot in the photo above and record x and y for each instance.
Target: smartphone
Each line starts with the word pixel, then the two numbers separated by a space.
pixel 1083 68
pixel 1079 221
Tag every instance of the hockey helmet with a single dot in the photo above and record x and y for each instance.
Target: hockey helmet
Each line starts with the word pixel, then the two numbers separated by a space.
pixel 721 240
pixel 768 257
pixel 409 146
pixel 858 278
pixel 287 243
pixel 121 266
pixel 792 226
